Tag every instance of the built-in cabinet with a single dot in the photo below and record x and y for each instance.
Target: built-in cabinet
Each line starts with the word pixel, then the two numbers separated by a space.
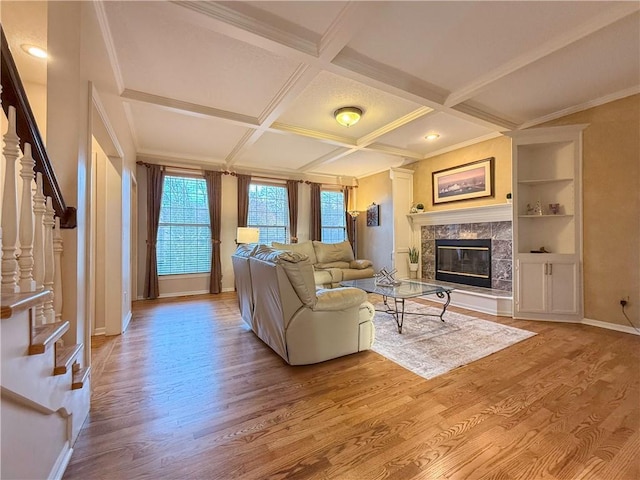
pixel 547 223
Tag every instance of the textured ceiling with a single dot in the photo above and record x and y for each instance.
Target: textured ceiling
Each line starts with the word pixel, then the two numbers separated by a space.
pixel 252 85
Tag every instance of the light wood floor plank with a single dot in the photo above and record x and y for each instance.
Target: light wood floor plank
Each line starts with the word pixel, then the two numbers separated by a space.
pixel 190 392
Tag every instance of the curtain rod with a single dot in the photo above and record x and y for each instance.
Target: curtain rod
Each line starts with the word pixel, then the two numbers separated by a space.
pixel 234 174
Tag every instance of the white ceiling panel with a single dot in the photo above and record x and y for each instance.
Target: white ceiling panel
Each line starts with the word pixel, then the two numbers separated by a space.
pixel 314 16
pixel 314 108
pixel 165 57
pixel 359 164
pixel 175 134
pixel 607 61
pixel 283 151
pixel 452 131
pixel 453 43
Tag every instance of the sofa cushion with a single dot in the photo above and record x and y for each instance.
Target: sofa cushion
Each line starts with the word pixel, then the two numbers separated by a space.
pixel 325 266
pixel 298 269
pixel 305 248
pixel 333 252
pixel 353 274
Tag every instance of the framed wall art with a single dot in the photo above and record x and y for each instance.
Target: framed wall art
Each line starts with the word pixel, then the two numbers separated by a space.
pixel 471 180
pixel 373 215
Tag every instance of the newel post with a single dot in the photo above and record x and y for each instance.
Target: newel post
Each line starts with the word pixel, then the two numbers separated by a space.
pixel 57 279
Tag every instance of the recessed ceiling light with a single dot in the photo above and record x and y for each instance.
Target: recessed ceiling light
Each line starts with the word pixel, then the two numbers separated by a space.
pixel 347 116
pixel 34 51
pixel 432 136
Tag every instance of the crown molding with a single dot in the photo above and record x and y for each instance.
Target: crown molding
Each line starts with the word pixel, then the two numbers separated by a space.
pixel 398 152
pixel 105 30
pixel 627 92
pixel 490 118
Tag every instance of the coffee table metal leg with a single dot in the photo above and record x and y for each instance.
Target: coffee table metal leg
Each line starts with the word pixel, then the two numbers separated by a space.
pixel 446 304
pixel 399 314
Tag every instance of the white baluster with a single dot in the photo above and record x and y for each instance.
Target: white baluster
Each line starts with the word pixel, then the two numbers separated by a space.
pixel 10 207
pixel 27 284
pixel 39 210
pixel 57 280
pixel 48 222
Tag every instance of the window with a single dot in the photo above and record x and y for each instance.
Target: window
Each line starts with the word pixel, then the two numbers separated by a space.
pixel 269 211
pixel 184 233
pixel 332 214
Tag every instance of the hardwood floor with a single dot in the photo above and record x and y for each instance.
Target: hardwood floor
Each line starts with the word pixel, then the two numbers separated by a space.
pixel 190 392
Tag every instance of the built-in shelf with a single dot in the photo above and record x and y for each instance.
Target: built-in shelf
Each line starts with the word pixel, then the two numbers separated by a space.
pixel 544 181
pixel 545 216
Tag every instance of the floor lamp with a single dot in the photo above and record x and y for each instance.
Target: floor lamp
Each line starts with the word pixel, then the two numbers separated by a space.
pixel 354 216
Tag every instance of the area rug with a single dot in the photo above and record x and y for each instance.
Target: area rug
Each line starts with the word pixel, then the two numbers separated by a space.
pixel 430 347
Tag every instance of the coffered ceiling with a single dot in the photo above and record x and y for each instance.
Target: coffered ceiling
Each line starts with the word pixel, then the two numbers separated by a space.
pixel 252 86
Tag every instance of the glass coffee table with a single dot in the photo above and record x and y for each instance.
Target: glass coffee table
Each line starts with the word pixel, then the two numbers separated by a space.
pixel 405 289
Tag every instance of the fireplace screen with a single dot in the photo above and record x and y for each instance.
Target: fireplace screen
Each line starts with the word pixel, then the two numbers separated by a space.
pixel 464 261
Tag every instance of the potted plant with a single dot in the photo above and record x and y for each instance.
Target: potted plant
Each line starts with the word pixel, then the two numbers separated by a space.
pixel 420 208
pixel 414 259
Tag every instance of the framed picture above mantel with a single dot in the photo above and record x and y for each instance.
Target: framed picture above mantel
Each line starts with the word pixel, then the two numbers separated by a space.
pixel 465 182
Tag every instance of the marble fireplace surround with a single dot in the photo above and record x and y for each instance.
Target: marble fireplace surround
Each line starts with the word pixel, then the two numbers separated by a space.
pixel 489 222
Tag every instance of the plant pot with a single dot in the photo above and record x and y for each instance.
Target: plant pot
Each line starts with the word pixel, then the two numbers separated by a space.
pixel 413 267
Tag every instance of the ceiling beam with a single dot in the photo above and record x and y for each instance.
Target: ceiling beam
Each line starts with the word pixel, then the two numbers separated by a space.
pixel 485 81
pixel 188 108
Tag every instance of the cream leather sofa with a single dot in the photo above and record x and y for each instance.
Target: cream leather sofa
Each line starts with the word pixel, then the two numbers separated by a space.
pixel 332 262
pixel 278 299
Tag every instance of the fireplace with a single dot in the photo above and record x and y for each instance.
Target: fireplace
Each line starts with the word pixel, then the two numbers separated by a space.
pixel 464 261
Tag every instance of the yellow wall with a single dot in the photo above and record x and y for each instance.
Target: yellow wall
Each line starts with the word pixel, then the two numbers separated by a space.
pixel 611 208
pixel 500 148
pixel 375 243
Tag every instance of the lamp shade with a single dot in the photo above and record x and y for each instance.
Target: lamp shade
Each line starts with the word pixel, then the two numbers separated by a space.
pixel 247 235
pixel 347 116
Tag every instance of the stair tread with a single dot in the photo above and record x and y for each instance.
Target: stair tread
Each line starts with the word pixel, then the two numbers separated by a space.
pixel 13 303
pixel 45 335
pixel 64 357
pixel 80 377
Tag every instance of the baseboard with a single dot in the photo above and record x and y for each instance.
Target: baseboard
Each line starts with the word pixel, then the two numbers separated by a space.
pixel 610 326
pixel 61 462
pixel 125 324
pixel 228 289
pixel 99 331
pixel 499 306
pixel 183 294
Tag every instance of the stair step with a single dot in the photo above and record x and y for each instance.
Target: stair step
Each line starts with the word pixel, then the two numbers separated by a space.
pixel 64 357
pixel 80 377
pixel 45 335
pixel 13 303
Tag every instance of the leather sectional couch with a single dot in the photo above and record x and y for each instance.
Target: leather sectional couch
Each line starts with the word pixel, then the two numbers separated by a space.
pixel 278 299
pixel 332 262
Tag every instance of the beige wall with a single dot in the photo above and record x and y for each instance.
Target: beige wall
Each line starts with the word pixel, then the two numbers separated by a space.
pixel 500 148
pixel 611 208
pixel 375 243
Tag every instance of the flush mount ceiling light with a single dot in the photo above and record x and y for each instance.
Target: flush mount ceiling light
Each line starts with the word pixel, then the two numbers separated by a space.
pixel 432 136
pixel 347 116
pixel 34 51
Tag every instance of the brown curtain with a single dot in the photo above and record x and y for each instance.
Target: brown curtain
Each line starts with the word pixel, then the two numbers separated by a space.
pixel 292 195
pixel 244 181
pixel 351 225
pixel 155 182
pixel 214 193
pixel 315 232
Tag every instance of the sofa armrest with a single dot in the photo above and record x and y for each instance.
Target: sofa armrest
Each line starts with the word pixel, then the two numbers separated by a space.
pixel 340 298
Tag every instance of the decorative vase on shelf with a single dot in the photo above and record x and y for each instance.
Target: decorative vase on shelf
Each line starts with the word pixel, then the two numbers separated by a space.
pixel 420 208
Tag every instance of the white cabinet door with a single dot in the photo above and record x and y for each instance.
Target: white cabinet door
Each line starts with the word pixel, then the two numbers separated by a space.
pixel 531 292
pixel 563 292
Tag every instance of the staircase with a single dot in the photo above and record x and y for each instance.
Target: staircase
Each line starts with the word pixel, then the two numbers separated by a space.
pixel 45 389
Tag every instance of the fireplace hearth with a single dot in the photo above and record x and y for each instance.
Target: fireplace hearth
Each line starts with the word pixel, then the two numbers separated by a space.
pixel 464 261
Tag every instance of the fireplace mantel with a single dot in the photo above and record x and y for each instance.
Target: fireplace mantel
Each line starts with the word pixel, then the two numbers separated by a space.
pixel 487 213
